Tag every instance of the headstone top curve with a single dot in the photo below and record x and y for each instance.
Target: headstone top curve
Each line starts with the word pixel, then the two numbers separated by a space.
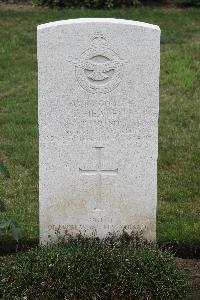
pixel 98 20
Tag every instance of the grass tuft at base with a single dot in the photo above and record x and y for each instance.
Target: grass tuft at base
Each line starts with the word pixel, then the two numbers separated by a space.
pixel 90 268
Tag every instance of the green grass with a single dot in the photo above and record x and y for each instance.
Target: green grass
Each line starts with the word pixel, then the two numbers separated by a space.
pixel 124 268
pixel 178 165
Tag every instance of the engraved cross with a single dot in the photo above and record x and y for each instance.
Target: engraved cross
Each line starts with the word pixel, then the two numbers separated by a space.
pixel 98 172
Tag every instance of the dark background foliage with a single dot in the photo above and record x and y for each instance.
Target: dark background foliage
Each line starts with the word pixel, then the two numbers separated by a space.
pixel 97 4
pixel 114 3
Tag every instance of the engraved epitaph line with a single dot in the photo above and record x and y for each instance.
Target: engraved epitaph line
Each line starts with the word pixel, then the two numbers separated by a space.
pixel 98 172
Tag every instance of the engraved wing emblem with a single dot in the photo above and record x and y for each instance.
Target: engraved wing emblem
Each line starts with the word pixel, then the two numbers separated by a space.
pixel 98 70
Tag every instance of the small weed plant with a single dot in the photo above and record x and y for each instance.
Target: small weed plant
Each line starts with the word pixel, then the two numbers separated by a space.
pixel 9 228
pixel 124 267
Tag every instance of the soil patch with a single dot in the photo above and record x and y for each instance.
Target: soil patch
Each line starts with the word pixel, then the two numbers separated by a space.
pixel 192 268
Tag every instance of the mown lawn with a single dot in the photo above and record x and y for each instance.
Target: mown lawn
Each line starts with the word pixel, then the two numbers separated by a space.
pixel 178 167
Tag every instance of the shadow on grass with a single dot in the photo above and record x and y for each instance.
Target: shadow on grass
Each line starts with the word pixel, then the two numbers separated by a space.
pixel 183 249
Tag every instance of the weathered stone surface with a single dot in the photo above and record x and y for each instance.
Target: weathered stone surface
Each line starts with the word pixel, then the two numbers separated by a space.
pixel 98 124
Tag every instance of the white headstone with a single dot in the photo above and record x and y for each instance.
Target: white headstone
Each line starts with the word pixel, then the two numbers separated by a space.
pixel 98 125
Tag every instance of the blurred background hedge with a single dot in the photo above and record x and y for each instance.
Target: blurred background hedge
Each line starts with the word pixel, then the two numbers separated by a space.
pixel 97 4
pixel 113 3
